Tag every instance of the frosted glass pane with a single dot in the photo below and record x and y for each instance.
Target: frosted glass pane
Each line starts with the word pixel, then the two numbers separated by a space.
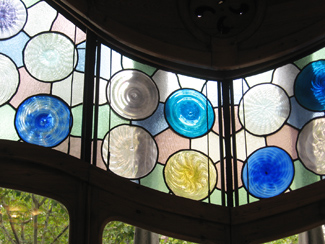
pixel 9 79
pixel 167 83
pixel 259 78
pixel 81 57
pixel 285 77
pixel 251 142
pixel 264 109
pixel 210 90
pixel 7 128
pixel 240 87
pixel 311 144
pixel 50 57
pixel 132 151
pixel 191 82
pixel 105 62
pixel 40 18
pixel 240 165
pixel 201 144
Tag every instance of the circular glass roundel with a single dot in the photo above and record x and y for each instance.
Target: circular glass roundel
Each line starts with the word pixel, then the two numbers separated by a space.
pixel 9 79
pixel 264 109
pixel 187 174
pixel 133 94
pixel 13 17
pixel 311 145
pixel 50 57
pixel 189 113
pixel 43 120
pixel 130 151
pixel 268 172
pixel 309 86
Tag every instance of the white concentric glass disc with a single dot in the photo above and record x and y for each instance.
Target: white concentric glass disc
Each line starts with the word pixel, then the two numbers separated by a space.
pixel 13 17
pixel 187 174
pixel 50 57
pixel 264 109
pixel 132 151
pixel 311 145
pixel 133 94
pixel 9 79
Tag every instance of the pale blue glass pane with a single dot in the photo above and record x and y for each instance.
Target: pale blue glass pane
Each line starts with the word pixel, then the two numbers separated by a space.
pixel 19 41
pixel 81 57
pixel 300 116
pixel 155 123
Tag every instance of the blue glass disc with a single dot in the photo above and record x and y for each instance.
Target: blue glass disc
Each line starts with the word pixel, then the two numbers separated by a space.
pixel 43 120
pixel 309 86
pixel 189 113
pixel 268 172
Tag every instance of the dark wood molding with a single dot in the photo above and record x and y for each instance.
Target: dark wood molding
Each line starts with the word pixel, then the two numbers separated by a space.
pixel 82 187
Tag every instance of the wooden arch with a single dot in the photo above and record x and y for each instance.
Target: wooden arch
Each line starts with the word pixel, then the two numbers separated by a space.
pixel 93 197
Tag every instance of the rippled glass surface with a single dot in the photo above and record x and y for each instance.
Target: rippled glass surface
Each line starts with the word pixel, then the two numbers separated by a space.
pixel 264 109
pixel 129 151
pixel 133 94
pixel 268 172
pixel 190 174
pixel 43 120
pixel 50 56
pixel 310 86
pixel 311 145
pixel 189 113
pixel 9 79
pixel 12 17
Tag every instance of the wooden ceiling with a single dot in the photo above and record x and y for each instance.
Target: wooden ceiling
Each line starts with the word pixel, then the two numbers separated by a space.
pixel 213 39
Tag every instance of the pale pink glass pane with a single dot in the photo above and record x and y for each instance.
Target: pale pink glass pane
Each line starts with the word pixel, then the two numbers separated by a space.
pixel 286 139
pixel 168 143
pixel 99 163
pixel 28 86
pixel 63 25
pixel 63 146
pixel 239 170
pixel 75 146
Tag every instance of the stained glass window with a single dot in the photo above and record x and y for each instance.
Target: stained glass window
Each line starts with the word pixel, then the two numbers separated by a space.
pixel 215 141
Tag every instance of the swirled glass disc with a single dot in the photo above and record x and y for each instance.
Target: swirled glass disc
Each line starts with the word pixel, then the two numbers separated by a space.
pixel 43 120
pixel 189 113
pixel 264 109
pixel 13 17
pixel 130 151
pixel 189 173
pixel 9 79
pixel 311 145
pixel 309 86
pixel 50 57
pixel 133 94
pixel 268 172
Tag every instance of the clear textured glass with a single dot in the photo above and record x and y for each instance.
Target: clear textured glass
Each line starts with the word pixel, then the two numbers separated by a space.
pixel 50 57
pixel 190 174
pixel 43 120
pixel 133 94
pixel 130 151
pixel 9 79
pixel 189 113
pixel 264 109
pixel 13 17
pixel 311 145
pixel 310 86
pixel 268 172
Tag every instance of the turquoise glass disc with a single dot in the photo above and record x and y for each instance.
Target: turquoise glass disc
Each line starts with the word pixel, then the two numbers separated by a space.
pixel 310 86
pixel 268 172
pixel 189 113
pixel 43 120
